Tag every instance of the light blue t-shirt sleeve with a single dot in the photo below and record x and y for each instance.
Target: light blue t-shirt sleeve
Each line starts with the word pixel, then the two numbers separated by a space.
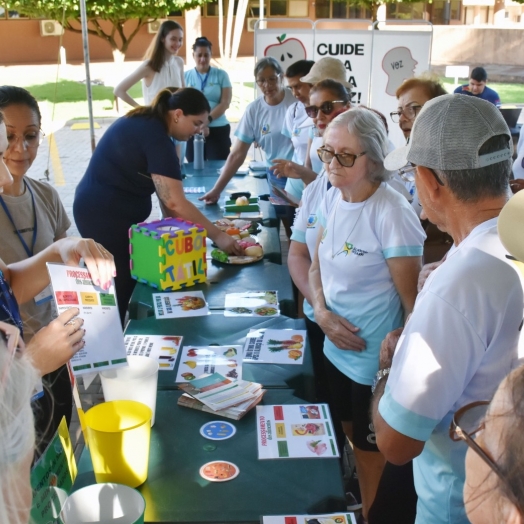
pixel 223 78
pixel 245 130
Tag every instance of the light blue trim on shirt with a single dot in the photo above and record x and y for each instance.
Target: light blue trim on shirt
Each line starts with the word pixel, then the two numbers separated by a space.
pixel 244 138
pixel 298 236
pixel 403 251
pixel 404 421
pixel 285 132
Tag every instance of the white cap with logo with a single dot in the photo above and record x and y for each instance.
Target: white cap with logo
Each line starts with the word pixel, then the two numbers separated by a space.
pixel 448 134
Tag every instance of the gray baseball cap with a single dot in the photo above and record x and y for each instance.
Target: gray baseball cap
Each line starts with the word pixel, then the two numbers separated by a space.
pixel 448 133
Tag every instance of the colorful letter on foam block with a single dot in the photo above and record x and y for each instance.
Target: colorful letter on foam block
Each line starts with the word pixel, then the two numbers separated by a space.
pixel 168 254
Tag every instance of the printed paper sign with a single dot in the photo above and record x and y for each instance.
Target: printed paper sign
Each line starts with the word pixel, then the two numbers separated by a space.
pixel 104 348
pixel 176 305
pixel 52 477
pixel 252 304
pixel 164 349
pixel 333 518
pixel 295 431
pixel 197 361
pixel 275 346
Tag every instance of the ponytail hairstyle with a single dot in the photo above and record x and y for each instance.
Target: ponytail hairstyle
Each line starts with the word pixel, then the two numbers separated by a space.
pixel 17 433
pixel 13 95
pixel 155 54
pixel 191 101
pixel 202 41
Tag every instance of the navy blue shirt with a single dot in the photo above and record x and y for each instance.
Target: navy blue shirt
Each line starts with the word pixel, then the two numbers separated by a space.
pixel 9 311
pixel 488 94
pixel 130 151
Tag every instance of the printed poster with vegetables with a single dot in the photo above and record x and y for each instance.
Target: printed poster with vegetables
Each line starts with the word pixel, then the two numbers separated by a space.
pixel 252 304
pixel 183 304
pixel 196 361
pixel 275 346
pixel 104 347
pixel 163 349
pixel 333 518
pixel 295 431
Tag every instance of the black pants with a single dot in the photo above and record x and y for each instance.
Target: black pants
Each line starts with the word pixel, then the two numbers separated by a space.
pixel 105 214
pixel 396 498
pixel 216 146
pixel 49 410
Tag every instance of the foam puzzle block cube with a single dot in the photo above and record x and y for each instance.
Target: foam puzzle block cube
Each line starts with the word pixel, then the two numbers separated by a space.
pixel 168 254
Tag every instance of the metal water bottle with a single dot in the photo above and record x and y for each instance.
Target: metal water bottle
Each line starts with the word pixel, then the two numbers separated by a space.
pixel 198 152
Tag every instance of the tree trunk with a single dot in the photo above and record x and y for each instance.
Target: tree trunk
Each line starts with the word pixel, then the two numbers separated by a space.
pixel 118 56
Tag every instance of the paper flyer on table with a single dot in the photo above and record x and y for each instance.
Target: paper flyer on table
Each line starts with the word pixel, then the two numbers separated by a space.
pixel 328 518
pixel 295 431
pixel 198 360
pixel 182 304
pixel 275 346
pixel 104 347
pixel 252 304
pixel 162 348
pixel 218 392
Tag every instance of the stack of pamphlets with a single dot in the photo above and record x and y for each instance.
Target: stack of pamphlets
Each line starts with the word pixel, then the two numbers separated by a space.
pixel 221 396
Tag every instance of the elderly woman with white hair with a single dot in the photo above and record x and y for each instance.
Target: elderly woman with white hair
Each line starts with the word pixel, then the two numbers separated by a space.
pixel 363 278
pixel 17 435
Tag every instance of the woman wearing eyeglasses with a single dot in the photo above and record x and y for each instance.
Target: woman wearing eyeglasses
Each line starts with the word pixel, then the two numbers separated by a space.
pixel 32 217
pixel 363 278
pixel 493 431
pixel 327 99
pixel 262 123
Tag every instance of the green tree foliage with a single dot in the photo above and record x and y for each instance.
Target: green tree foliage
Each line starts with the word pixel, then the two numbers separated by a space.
pixel 117 12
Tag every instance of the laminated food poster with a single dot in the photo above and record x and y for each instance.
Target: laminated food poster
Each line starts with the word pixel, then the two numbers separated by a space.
pixel 196 361
pixel 295 431
pixel 252 304
pixel 333 518
pixel 176 305
pixel 275 346
pixel 163 349
pixel 104 348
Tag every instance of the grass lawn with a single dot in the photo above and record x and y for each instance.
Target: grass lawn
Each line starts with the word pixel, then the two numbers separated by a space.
pixel 71 98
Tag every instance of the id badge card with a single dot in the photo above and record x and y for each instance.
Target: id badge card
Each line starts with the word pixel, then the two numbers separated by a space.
pixel 44 296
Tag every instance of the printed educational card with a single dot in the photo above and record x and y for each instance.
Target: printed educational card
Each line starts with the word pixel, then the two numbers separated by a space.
pixel 104 348
pixel 295 431
pixel 333 518
pixel 252 304
pixel 183 304
pixel 196 361
pixel 275 346
pixel 164 349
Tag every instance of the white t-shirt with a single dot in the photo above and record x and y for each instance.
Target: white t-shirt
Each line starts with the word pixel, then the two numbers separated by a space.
pixel 358 239
pixel 518 165
pixel 263 124
pixel 170 75
pixel 316 142
pixel 305 226
pixel 460 342
pixel 296 127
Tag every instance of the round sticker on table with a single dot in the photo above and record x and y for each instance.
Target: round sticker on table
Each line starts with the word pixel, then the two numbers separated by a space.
pixel 218 430
pixel 219 471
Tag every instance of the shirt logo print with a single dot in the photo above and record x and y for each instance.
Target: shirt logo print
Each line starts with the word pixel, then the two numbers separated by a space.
pixel 312 221
pixel 265 129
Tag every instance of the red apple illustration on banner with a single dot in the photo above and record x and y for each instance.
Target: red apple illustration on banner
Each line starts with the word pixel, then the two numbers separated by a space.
pixel 286 52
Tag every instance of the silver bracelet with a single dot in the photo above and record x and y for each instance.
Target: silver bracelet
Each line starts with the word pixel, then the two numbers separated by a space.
pixel 381 373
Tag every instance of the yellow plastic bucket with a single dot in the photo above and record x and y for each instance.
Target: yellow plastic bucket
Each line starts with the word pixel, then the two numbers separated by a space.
pixel 118 435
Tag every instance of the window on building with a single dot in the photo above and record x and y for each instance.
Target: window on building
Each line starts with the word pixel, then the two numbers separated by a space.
pixel 405 11
pixel 338 9
pixel 438 15
pixel 278 8
pixel 175 13
pixel 210 9
pixel 14 15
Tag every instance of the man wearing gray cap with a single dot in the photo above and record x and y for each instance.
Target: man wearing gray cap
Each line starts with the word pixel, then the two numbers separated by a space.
pixel 462 337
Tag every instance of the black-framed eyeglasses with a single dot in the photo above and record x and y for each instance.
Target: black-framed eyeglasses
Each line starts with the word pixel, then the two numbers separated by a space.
pixel 410 112
pixel 467 423
pixel 407 173
pixel 271 81
pixel 344 159
pixel 30 140
pixel 327 108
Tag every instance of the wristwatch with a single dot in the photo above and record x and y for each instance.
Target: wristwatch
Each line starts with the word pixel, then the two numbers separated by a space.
pixel 210 118
pixel 381 373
